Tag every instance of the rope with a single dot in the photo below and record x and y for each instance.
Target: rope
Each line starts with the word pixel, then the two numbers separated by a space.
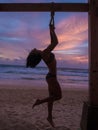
pixel 52 16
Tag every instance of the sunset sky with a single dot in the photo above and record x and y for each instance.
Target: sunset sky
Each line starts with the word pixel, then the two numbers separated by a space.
pixel 20 32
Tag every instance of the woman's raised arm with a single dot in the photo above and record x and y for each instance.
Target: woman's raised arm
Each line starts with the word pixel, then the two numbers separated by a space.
pixel 54 40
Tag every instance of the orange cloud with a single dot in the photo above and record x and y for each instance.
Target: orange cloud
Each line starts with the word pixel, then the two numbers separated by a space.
pixel 81 59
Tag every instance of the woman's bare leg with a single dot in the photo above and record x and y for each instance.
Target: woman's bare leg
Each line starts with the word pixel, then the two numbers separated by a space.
pixel 50 118
pixel 50 108
pixel 38 101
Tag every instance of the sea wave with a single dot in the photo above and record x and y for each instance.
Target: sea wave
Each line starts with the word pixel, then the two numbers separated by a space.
pixel 65 75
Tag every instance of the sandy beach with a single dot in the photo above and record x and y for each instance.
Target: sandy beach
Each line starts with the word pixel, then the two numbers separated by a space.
pixel 16 111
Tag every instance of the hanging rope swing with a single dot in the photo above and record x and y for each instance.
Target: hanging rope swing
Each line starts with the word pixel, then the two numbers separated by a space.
pixel 52 19
pixel 52 23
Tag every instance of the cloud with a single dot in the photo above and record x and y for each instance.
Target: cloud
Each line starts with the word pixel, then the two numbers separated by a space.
pixel 22 33
pixel 71 61
pixel 72 32
pixel 73 39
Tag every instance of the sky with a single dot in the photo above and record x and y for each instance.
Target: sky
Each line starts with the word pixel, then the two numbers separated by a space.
pixel 21 32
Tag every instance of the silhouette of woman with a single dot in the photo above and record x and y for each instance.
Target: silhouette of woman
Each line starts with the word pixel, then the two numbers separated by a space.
pixel 48 57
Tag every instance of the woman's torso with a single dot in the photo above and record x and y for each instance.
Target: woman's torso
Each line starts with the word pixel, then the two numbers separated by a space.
pixel 50 61
pixel 51 77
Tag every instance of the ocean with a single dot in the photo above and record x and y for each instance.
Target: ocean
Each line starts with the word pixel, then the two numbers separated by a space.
pixel 74 77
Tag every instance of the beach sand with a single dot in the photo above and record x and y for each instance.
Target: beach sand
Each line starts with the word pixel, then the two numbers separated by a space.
pixel 16 111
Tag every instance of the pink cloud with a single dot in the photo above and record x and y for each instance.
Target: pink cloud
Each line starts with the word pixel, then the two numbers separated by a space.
pixel 72 32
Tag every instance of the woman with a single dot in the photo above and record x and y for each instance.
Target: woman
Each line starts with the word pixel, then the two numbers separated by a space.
pixel 48 57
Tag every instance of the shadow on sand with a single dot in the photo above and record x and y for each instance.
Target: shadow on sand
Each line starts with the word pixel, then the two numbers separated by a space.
pixel 24 125
pixel 59 128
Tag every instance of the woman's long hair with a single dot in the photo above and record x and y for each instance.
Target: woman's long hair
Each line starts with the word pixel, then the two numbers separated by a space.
pixel 33 59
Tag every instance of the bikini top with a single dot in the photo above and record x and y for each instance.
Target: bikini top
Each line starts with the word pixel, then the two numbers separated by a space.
pixel 51 58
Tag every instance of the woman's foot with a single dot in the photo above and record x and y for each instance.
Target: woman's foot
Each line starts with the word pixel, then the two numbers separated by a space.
pixel 50 121
pixel 37 102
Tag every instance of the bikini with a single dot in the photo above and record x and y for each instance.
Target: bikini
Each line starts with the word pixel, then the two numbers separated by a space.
pixel 51 58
